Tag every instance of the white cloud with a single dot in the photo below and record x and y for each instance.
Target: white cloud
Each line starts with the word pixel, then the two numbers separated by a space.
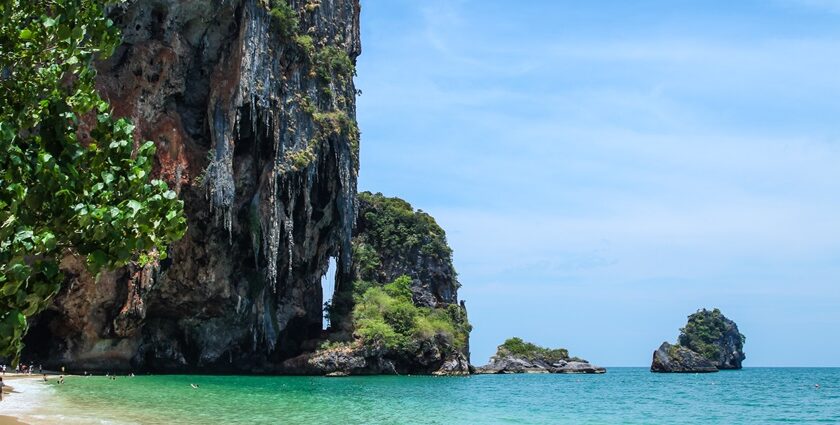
pixel 832 6
pixel 640 172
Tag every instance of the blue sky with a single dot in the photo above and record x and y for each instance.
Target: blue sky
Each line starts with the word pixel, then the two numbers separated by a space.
pixel 603 169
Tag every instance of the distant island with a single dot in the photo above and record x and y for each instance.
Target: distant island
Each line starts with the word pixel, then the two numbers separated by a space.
pixel 709 342
pixel 518 356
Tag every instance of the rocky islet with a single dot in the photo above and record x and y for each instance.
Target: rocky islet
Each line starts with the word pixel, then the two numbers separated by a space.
pixel 518 356
pixel 709 342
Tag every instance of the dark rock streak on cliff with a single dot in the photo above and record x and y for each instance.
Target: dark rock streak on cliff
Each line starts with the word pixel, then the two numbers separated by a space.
pixel 254 123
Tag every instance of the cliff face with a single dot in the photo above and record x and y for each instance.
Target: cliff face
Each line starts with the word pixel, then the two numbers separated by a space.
pixel 717 338
pixel 376 328
pixel 251 104
pixel 678 359
pixel 392 240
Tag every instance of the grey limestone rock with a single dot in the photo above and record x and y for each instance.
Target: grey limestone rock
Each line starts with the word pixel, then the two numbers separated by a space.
pixel 675 358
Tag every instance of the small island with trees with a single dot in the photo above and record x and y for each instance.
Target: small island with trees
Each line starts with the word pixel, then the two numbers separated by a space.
pixel 709 342
pixel 518 356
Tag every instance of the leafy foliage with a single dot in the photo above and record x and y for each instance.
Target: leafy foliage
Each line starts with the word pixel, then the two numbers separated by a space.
pixel 331 61
pixel 704 332
pixel 517 347
pixel 72 179
pixel 392 226
pixel 284 18
pixel 385 316
pixel 305 43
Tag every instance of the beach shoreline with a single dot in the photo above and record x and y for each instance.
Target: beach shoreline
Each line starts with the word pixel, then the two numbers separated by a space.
pixel 22 398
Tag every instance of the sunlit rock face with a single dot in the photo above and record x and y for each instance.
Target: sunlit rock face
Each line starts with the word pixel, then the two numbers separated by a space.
pixel 709 342
pixel 254 123
pixel 678 359
pixel 391 240
pixel 716 337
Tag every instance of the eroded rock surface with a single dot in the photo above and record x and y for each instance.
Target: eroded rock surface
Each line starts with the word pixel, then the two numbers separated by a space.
pixel 517 356
pixel 709 339
pixel 391 240
pixel 513 364
pixel 678 359
pixel 255 128
pixel 714 336
pixel 357 359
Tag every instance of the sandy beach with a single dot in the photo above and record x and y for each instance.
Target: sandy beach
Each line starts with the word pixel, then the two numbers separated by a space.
pixel 22 396
pixel 8 420
pixel 29 400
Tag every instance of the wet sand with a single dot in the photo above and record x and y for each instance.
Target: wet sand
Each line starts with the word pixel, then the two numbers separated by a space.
pixel 8 398
pixel 9 420
pixel 19 391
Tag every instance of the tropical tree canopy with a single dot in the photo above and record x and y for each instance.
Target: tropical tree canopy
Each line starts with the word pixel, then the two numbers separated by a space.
pixel 73 181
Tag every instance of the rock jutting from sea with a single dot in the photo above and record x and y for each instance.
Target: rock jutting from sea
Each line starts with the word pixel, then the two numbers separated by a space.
pixel 397 312
pixel 709 342
pixel 675 358
pixel 518 356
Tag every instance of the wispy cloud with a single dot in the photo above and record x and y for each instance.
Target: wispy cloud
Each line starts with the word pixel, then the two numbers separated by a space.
pixel 648 170
pixel 832 6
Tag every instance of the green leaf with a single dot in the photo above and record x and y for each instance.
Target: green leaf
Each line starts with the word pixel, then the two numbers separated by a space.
pixel 56 191
pixel 134 205
pixel 97 259
pixel 49 241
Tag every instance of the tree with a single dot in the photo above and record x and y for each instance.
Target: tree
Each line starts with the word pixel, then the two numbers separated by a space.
pixel 72 178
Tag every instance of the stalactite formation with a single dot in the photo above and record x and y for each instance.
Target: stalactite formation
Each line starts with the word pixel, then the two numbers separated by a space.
pixel 255 126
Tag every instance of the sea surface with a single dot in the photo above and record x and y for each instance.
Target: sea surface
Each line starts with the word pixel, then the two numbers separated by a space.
pixel 621 396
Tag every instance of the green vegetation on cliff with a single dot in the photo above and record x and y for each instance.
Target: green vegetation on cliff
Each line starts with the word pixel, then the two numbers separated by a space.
pixel 704 332
pixel 73 180
pixel 517 347
pixel 284 18
pixel 394 228
pixel 331 61
pixel 386 316
pixel 328 63
pixel 400 297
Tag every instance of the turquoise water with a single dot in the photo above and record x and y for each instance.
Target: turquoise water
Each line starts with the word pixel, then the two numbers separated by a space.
pixel 623 395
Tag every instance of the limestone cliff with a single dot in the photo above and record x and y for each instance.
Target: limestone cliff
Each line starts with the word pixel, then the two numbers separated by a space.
pixel 424 332
pixel 392 240
pixel 715 337
pixel 709 340
pixel 251 104
pixel 678 359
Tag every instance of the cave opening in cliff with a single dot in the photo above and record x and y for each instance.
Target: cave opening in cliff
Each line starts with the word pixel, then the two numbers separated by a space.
pixel 40 341
pixel 328 283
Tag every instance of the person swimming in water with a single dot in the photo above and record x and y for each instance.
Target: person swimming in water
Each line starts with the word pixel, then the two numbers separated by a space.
pixel 194 386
